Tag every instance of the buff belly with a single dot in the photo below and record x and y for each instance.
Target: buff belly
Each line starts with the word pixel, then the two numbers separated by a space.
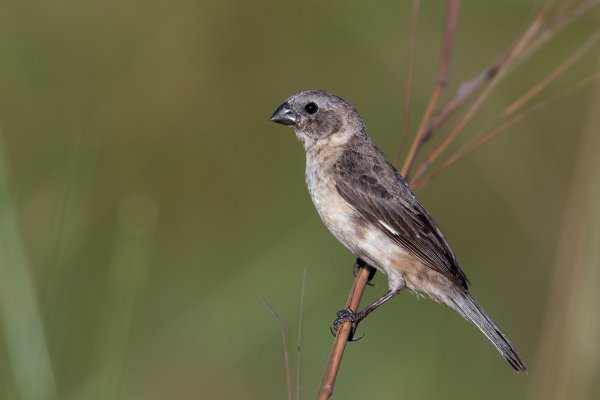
pixel 360 237
pixel 374 247
pixel 365 240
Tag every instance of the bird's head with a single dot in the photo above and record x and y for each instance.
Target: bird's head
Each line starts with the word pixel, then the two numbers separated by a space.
pixel 319 117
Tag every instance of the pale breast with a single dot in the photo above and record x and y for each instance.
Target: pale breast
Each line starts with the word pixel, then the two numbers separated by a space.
pixel 360 237
pixel 334 211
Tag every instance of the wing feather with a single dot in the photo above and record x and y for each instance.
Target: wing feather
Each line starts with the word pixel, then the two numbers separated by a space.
pixel 374 188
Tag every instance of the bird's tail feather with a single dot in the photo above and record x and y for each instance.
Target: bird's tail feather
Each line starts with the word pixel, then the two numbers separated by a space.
pixel 472 311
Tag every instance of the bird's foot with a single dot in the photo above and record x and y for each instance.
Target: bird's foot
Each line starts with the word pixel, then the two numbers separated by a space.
pixel 347 315
pixel 360 264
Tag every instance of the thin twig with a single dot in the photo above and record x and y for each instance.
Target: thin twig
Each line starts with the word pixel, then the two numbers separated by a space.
pixel 412 34
pixel 486 137
pixel 286 355
pixel 466 89
pixel 522 48
pixel 568 62
pixel 518 51
pixel 298 353
pixel 533 29
pixel 515 51
pixel 458 128
pixel 343 333
pixel 442 81
pixel 562 21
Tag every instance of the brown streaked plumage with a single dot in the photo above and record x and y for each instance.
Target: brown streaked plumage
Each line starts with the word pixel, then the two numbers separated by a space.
pixel 385 200
pixel 368 206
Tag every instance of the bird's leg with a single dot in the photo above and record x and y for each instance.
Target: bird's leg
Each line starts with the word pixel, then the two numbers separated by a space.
pixel 355 317
pixel 360 264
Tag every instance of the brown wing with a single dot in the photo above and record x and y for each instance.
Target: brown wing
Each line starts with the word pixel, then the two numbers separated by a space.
pixel 374 188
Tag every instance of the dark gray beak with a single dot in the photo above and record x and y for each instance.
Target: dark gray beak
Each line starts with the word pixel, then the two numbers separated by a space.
pixel 284 115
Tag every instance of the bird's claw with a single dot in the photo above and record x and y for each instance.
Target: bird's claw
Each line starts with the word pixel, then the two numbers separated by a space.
pixel 358 265
pixel 347 315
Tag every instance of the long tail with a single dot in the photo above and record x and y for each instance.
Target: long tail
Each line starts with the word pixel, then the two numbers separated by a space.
pixel 472 311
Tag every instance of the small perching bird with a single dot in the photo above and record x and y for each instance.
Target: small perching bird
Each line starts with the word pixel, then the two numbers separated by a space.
pixel 367 205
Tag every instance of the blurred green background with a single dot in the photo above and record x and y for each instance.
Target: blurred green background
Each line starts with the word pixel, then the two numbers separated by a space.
pixel 146 201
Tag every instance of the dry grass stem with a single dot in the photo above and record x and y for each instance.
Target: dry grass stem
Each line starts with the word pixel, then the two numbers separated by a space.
pixel 497 72
pixel 442 81
pixel 343 333
pixel 456 130
pixel 298 352
pixel 563 20
pixel 531 39
pixel 412 35
pixel 284 339
pixel 488 136
pixel 563 66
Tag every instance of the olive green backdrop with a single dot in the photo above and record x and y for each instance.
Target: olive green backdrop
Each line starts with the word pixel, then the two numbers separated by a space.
pixel 147 201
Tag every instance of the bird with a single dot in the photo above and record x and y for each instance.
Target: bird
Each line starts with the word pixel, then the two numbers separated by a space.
pixel 369 207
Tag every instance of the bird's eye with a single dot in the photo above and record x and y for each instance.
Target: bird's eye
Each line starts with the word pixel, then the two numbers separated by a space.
pixel 311 108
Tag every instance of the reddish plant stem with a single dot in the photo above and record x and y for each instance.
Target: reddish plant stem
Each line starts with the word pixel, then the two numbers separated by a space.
pixel 442 81
pixel 527 43
pixel 284 339
pixel 343 333
pixel 497 72
pixel 563 66
pixel 412 34
pixel 490 135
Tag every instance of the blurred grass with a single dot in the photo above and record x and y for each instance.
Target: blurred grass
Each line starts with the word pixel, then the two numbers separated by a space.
pixel 569 340
pixel 26 348
pixel 151 199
